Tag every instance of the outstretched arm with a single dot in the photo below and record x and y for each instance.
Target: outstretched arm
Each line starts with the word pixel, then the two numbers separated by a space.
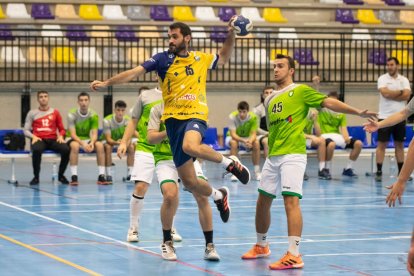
pixel 122 77
pixel 341 107
pixel 394 119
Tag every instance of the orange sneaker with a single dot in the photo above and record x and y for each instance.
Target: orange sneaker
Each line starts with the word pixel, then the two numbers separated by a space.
pixel 288 261
pixel 256 252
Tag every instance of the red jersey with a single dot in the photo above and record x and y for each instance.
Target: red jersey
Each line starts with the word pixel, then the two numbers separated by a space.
pixel 44 124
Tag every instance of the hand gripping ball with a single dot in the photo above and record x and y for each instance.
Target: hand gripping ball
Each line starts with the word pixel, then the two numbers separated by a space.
pixel 242 25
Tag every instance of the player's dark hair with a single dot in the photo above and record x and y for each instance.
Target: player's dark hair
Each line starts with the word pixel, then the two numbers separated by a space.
pixel 291 62
pixel 264 89
pixel 333 94
pixel 184 28
pixel 394 59
pixel 42 92
pixel 120 104
pixel 142 88
pixel 243 106
pixel 81 94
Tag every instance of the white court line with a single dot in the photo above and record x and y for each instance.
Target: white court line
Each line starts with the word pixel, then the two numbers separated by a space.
pixel 356 254
pixel 252 207
pixel 128 245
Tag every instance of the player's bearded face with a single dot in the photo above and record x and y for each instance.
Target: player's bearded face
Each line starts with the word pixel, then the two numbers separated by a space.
pixel 177 46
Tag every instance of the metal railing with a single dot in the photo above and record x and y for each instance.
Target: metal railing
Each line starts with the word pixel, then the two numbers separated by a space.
pixel 337 57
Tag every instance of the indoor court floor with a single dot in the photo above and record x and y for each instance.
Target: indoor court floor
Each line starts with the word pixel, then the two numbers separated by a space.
pixel 54 229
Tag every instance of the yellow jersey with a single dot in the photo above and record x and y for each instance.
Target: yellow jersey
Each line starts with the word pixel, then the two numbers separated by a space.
pixel 183 83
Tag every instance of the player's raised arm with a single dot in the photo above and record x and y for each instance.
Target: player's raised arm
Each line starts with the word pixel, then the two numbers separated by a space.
pixel 120 78
pixel 228 45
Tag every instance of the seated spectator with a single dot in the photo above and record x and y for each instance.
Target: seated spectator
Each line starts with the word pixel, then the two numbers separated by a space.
pixel 334 130
pixel 242 131
pixel 45 127
pixel 113 129
pixel 83 133
pixel 314 140
pixel 260 112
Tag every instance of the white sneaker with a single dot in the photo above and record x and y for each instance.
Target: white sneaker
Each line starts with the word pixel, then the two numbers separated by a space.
pixel 132 235
pixel 168 251
pixel 258 176
pixel 210 254
pixel 175 236
pixel 233 178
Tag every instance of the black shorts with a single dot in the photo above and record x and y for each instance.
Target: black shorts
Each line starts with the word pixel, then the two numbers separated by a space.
pixel 176 130
pixel 397 131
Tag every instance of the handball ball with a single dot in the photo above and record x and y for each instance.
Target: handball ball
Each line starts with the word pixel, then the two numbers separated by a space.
pixel 242 25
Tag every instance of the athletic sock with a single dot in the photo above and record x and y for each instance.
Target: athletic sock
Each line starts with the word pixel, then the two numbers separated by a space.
pixel 350 164
pixel 101 170
pixel 225 162
pixel 400 165
pixel 256 168
pixel 167 235
pixel 294 245
pixel 328 165
pixel 108 171
pixel 321 165
pixel 135 205
pixel 216 194
pixel 261 239
pixel 74 170
pixel 379 167
pixel 130 170
pixel 208 235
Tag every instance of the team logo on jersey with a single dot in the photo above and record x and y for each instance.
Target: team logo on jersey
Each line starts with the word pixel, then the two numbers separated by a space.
pixel 196 126
pixel 288 119
pixel 197 58
pixel 188 97
pixel 171 55
pixel 290 93
pixel 50 117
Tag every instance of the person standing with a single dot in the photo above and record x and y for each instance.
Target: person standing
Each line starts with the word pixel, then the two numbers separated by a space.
pixel 394 91
pixel 45 128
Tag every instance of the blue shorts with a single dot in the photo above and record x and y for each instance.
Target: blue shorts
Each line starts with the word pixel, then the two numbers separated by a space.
pixel 176 130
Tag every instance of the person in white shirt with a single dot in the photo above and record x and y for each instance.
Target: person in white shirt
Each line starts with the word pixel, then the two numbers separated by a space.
pixel 394 92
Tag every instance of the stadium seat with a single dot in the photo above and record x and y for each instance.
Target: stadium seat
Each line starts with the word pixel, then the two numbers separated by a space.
pixel 114 55
pixel 287 33
pixel 148 31
pixel 206 14
pixel 100 31
pixel 218 34
pixel 221 1
pixel 407 16
pixel 211 138
pixel 388 17
pixel 257 56
pixel 409 134
pixel 275 52
pixel 394 2
pixel 138 55
pixel 2 15
pixel 51 31
pixel 17 10
pixel 361 34
pixel 409 2
pixel 262 1
pixel 37 54
pixel 304 56
pixel 89 12
pixel 63 55
pixel 405 35
pixel 354 2
pixel 239 56
pixel 273 15
pixel 6 33
pixel 160 13
pixel 345 16
pixel 183 13
pixel 332 1
pixel 402 56
pixel 367 17
pixel 137 13
pixel 374 2
pixel 12 54
pixel 263 32
pixel 113 12
pixel 252 13
pixel 125 33
pixel 76 33
pixel 89 55
pixel 226 13
pixel 26 31
pixel 382 34
pixel 41 11
pixel 377 56
pixel 65 11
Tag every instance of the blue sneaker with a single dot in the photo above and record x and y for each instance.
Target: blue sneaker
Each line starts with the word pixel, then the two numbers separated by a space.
pixel 350 173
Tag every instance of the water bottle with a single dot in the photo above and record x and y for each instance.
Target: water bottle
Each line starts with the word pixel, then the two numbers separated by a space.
pixel 393 169
pixel 54 173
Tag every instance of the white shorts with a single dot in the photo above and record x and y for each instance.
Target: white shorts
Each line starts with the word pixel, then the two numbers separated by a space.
pixel 144 167
pixel 283 174
pixel 308 143
pixel 166 172
pixel 337 138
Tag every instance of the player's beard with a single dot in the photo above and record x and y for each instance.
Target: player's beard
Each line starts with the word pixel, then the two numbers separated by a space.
pixel 178 48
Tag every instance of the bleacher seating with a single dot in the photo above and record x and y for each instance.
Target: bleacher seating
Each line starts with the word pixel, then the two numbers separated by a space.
pixel 138 55
pixel 257 56
pixel 275 52
pixel 6 33
pixel 367 17
pixel 403 57
pixel 160 13
pixel 287 33
pixel 113 12
pixel 88 55
pixel 407 16
pixel 65 11
pixel 226 13
pixel 304 56
pixel 332 1
pixel 345 16
pixel 206 14
pixel 89 12
pixel 41 11
pixel 388 17
pixel 404 35
pixel 63 55
pixel 2 15
pixel 137 13
pixel 377 56
pixel 218 34
pixel 76 33
pixel 354 2
pixel 37 54
pixel 374 2
pixel 125 33
pixel 114 55
pixel 12 54
pixel 273 15
pixel 17 10
pixel 183 13
pixel 148 31
pixel 360 34
pixel 51 31
pixel 100 31
pixel 252 13
pixel 394 2
pixel 211 138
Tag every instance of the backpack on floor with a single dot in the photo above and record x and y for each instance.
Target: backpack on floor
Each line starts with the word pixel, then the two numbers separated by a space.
pixel 14 141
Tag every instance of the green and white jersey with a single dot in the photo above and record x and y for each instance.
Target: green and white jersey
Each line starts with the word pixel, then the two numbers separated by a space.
pixel 330 121
pixel 244 128
pixel 116 129
pixel 83 123
pixel 162 150
pixel 286 111
pixel 141 112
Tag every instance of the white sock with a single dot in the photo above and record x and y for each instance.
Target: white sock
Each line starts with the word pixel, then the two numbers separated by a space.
pixel 74 170
pixel 101 170
pixel 216 194
pixel 294 245
pixel 350 164
pixel 261 239
pixel 256 168
pixel 108 171
pixel 225 162
pixel 135 205
pixel 130 170
pixel 321 165
pixel 173 222
pixel 328 165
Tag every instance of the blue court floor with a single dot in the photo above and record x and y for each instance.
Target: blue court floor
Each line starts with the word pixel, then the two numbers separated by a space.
pixel 54 229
